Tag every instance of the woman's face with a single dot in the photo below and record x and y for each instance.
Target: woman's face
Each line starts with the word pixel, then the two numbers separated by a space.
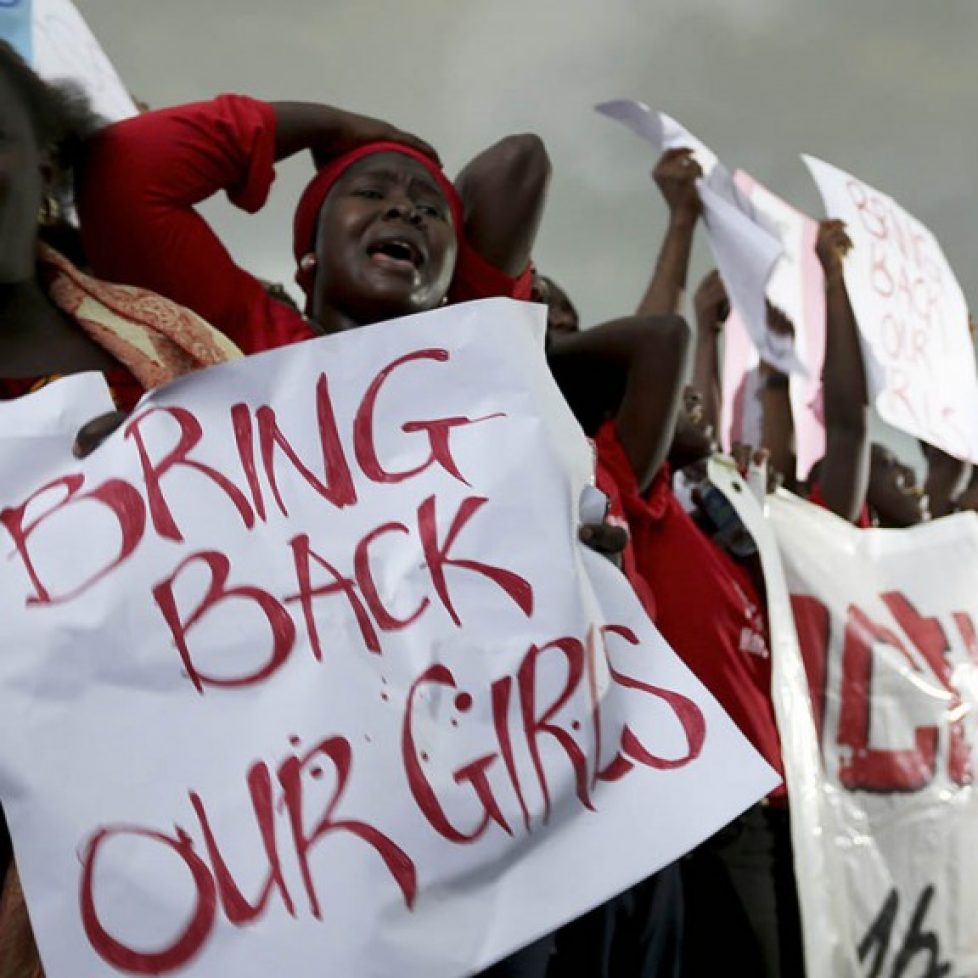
pixel 386 245
pixel 21 187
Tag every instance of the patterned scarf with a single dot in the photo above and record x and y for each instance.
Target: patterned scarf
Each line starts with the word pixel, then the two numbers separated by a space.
pixel 154 338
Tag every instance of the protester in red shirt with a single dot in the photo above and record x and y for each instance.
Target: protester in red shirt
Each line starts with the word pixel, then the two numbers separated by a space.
pixel 363 228
pixel 708 604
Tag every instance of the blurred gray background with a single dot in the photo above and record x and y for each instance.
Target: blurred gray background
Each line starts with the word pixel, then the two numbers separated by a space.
pixel 884 88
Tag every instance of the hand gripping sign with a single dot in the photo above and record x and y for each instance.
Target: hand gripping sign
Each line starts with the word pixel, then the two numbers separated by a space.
pixel 305 667
pixel 743 241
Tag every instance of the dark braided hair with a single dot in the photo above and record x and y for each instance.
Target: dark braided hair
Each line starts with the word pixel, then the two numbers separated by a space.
pixel 62 119
pixel 61 116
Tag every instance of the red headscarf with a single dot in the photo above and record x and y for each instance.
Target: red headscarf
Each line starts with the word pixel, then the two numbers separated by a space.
pixel 311 201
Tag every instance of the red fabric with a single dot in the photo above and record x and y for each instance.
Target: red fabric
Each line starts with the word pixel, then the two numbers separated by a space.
pixel 136 196
pixel 126 390
pixel 815 496
pixel 611 468
pixel 705 605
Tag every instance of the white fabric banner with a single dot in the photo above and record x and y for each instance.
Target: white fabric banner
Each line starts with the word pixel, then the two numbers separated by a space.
pixel 876 692
pixel 305 667
pixel 912 316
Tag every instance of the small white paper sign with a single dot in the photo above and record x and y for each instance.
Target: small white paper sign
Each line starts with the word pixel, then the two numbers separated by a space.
pixel 300 671
pixel 912 315
pixel 65 48
pixel 797 287
pixel 745 248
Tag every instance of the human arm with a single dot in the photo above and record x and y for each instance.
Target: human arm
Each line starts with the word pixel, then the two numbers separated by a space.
pixel 675 174
pixel 777 423
pixel 712 308
pixel 633 370
pixel 327 132
pixel 947 476
pixel 143 177
pixel 844 472
pixel 503 192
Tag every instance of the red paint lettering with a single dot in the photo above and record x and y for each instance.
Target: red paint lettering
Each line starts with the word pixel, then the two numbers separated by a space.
pixel 534 726
pixel 339 584
pixel 120 498
pixel 186 945
pixel 236 908
pixel 153 473
pixel 929 638
pixel 438 431
pixel 474 773
pixel 812 625
pixel 436 555
pixel 870 769
pixel 338 488
pixel 281 627
pixel 687 713
pixel 361 563
pixel 290 773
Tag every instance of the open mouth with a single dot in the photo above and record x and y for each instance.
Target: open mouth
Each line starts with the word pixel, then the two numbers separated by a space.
pixel 396 253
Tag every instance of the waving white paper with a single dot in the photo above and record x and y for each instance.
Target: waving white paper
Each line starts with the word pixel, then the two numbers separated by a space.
pixel 744 247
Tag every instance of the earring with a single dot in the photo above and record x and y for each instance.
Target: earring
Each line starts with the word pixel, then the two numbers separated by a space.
pixel 308 262
pixel 50 211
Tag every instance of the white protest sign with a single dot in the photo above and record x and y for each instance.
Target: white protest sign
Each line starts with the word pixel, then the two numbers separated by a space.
pixel 875 687
pixel 65 48
pixel 299 670
pixel 797 288
pixel 912 315
pixel 658 129
pixel 745 248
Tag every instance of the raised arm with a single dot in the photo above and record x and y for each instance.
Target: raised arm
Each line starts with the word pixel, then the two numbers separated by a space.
pixel 143 177
pixel 947 476
pixel 712 308
pixel 633 370
pixel 676 174
pixel 503 192
pixel 844 470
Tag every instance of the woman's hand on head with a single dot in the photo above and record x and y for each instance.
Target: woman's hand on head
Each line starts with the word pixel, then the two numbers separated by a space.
pixel 347 131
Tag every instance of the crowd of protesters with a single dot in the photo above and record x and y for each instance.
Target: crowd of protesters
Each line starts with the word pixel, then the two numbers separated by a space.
pixel 142 289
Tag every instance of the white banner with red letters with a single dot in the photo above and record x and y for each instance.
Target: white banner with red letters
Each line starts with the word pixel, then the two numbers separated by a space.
pixel 876 692
pixel 912 316
pixel 305 669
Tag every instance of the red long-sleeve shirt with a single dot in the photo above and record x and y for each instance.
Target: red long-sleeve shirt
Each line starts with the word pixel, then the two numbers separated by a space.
pixel 136 196
pixel 704 602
